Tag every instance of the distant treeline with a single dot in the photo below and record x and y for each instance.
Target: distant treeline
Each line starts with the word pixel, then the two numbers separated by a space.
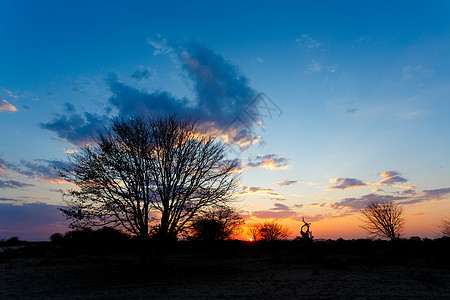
pixel 330 253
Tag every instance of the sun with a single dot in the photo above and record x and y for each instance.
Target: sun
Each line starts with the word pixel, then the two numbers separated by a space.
pixel 250 239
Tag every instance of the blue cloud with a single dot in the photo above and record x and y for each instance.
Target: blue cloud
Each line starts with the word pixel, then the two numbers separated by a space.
pixel 31 221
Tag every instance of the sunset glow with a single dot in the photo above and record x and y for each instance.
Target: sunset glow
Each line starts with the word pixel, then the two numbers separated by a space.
pixel 322 115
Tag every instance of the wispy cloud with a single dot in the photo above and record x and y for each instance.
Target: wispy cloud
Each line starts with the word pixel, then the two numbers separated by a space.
pixel 286 182
pixel 5 106
pixel 391 178
pixel 345 183
pixel 13 184
pixel 270 162
pixel 279 211
pixel 263 191
pixel 316 66
pixel 142 73
pixel 410 71
pixel 307 41
pixel 407 198
pixel 41 170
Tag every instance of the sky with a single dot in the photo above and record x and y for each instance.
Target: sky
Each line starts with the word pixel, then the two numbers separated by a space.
pixel 327 104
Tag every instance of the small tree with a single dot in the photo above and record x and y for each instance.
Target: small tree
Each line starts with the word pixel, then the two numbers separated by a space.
pixel 444 227
pixel 146 171
pixel 254 232
pixel 272 231
pixel 217 224
pixel 383 219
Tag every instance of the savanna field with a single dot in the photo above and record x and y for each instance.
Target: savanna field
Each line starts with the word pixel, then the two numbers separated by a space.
pixel 93 269
pixel 224 149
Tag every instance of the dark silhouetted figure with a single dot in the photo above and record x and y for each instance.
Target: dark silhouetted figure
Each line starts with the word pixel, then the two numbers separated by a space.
pixel 306 234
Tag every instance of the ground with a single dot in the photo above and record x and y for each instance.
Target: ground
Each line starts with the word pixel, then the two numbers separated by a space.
pixel 244 274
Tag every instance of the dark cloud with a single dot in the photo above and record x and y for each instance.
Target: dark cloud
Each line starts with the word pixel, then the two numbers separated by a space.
pixel 131 101
pixel 437 193
pixel 351 110
pixel 44 170
pixel 12 184
pixel 409 198
pixel 356 204
pixel 286 182
pixel 279 211
pixel 256 189
pixel 8 199
pixel 279 206
pixel 76 128
pixel 141 74
pixel 269 161
pixel 392 177
pixel 31 221
pixel 223 98
pixel 346 183
pixel 69 107
pixel 428 195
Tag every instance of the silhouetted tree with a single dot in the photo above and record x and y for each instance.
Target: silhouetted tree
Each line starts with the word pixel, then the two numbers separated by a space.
pixel 216 224
pixel 383 219
pixel 142 171
pixel 254 232
pixel 272 231
pixel 444 227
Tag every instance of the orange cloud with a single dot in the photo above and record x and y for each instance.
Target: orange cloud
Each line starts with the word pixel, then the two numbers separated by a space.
pixel 5 106
pixel 269 162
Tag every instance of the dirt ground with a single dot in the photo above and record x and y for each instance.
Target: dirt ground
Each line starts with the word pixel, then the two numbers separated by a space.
pixel 206 276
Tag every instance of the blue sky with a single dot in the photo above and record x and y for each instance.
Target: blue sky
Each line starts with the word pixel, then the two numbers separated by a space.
pixel 361 92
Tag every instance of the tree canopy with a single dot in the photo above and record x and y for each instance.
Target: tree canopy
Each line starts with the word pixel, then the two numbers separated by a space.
pixel 147 173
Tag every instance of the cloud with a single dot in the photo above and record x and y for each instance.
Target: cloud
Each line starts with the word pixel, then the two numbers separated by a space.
pixel 142 74
pixel 436 193
pixel 160 44
pixel 69 107
pixel 270 214
pixel 280 206
pixel 308 42
pixel 316 66
pixel 13 184
pixel 74 127
pixel 287 182
pixel 409 198
pixel 270 162
pixel 428 195
pixel 390 177
pixel 259 190
pixel 3 167
pixel 351 110
pixel 8 199
pixel 31 221
pixel 355 204
pixel 5 106
pixel 279 211
pixel 223 99
pixel 44 170
pixel 410 71
pixel 345 183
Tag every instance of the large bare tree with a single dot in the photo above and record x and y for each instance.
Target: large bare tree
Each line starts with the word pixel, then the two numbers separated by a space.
pixel 383 219
pixel 272 231
pixel 144 173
